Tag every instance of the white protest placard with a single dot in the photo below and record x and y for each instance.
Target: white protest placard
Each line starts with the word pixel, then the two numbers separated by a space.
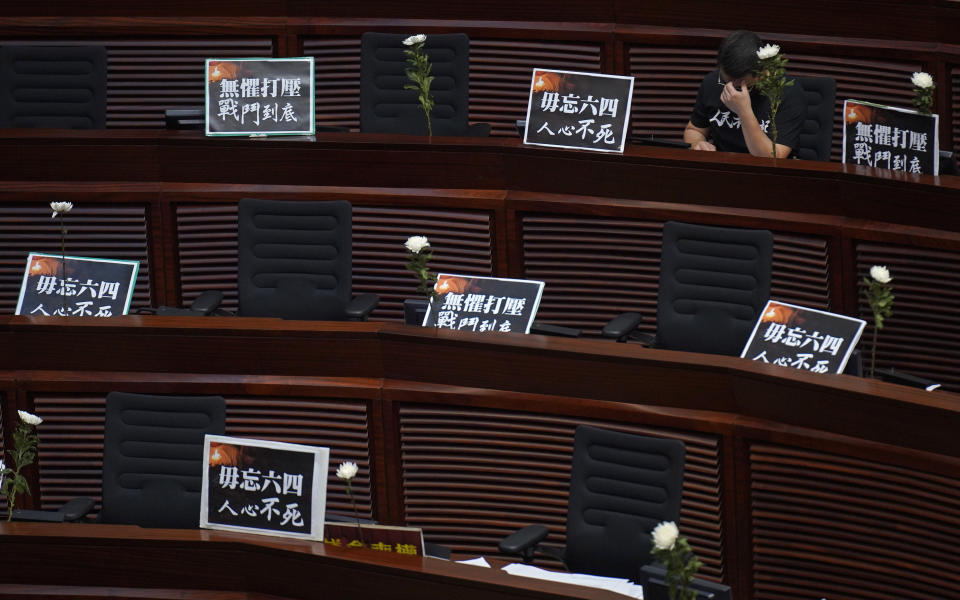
pixel 263 487
pixel 889 137
pixel 584 111
pixel 77 286
pixel 483 304
pixel 259 96
pixel 803 338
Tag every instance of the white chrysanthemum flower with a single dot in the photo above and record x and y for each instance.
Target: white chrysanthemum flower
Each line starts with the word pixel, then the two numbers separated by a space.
pixel 60 208
pixel 768 51
pixel 881 274
pixel 665 535
pixel 922 80
pixel 347 470
pixel 29 418
pixel 416 243
pixel 414 39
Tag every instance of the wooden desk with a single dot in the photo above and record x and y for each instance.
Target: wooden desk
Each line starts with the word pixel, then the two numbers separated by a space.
pixel 587 225
pixel 793 481
pixel 117 561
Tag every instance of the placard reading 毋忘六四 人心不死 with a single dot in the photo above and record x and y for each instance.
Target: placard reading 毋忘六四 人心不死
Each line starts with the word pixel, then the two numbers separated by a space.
pixel 262 96
pixel 585 111
pixel 259 486
pixel 483 304
pixel 803 338
pixel 888 137
pixel 77 287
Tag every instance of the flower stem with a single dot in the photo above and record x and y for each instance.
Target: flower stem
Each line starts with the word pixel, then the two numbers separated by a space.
pixel 63 261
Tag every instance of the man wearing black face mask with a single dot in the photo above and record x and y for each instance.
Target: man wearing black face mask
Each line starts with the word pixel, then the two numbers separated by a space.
pixel 729 117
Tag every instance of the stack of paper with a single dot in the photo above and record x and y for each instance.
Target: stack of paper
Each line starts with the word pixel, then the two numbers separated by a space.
pixel 620 586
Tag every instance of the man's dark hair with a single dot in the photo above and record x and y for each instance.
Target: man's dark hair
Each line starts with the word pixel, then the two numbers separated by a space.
pixel 738 54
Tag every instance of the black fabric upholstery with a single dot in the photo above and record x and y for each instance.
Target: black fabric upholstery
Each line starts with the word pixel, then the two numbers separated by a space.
pixel 60 87
pixel 621 486
pixel 817 132
pixel 385 107
pixel 295 259
pixel 714 281
pixel 153 457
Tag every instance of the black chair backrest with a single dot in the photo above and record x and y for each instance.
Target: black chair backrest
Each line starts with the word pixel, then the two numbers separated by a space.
pixel 295 259
pixel 714 281
pixel 621 486
pixel 385 107
pixel 59 87
pixel 817 132
pixel 153 457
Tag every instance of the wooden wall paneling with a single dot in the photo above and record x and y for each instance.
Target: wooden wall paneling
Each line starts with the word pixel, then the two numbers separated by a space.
pixel 826 525
pixel 71 446
pixel 336 79
pixel 501 70
pixel 341 424
pixel 147 75
pixel 922 337
pixel 474 474
pixel 95 230
pixel 595 268
pixel 206 238
pixel 71 436
pixel 665 87
pixel 801 270
pixel 461 240
pixel 954 109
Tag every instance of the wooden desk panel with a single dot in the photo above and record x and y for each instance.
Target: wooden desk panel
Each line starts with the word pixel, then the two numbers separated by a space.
pixel 85 560
pixel 469 436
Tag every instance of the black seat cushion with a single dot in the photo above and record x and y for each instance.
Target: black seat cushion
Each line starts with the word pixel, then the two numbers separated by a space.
pixel 816 134
pixel 714 281
pixel 153 457
pixel 295 259
pixel 385 107
pixel 621 486
pixel 60 87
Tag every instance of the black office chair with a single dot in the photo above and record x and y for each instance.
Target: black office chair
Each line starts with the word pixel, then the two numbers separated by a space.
pixel 621 486
pixel 296 261
pixel 152 461
pixel 714 281
pixel 59 87
pixel 385 107
pixel 816 134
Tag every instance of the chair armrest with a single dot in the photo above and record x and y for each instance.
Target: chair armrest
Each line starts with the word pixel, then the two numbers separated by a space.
pixel 621 326
pixel 478 130
pixel 557 330
pixel 524 542
pixel 207 302
pixel 361 306
pixel 74 510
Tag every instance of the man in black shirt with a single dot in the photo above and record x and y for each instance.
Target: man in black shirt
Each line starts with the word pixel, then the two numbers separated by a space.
pixel 729 117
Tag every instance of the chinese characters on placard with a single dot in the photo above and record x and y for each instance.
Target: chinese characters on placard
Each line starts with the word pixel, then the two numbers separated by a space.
pixel 590 111
pixel 801 350
pixel 381 546
pixel 888 147
pixel 479 312
pixel 275 494
pixel 260 100
pixel 89 299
